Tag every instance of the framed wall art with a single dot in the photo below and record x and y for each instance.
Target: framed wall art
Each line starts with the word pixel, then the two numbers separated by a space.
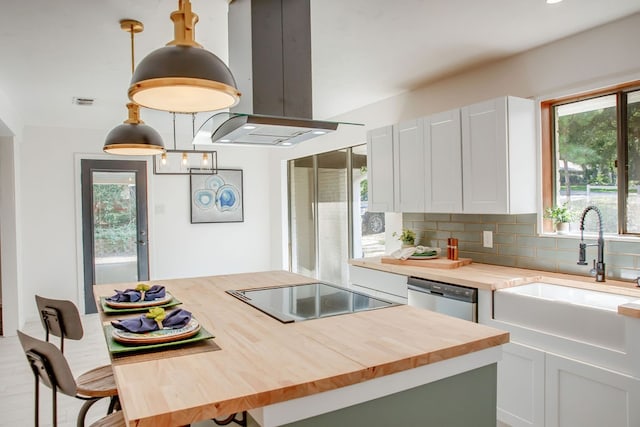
pixel 217 197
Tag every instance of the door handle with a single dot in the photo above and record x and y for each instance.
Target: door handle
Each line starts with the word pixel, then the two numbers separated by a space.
pixel 142 242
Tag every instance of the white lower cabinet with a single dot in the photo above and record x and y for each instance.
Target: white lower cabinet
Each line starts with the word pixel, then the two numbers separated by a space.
pixel 537 388
pixel 380 284
pixel 580 394
pixel 521 386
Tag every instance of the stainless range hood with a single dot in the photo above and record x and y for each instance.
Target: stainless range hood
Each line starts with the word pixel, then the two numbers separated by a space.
pixel 255 129
pixel 270 57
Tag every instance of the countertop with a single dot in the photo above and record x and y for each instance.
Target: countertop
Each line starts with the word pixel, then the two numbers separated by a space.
pixel 263 361
pixel 494 277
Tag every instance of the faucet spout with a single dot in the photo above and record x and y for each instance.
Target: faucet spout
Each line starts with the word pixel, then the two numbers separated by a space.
pixel 582 258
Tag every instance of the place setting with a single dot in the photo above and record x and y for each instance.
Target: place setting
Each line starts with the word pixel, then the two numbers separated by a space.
pixel 160 325
pixel 138 299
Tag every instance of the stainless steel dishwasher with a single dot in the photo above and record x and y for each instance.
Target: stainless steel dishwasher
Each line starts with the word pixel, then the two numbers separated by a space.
pixel 445 298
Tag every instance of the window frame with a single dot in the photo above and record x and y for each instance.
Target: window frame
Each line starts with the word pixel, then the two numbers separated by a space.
pixel 548 153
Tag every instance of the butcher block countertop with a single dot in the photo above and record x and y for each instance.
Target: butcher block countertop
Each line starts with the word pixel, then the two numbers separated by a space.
pixel 263 361
pixel 493 277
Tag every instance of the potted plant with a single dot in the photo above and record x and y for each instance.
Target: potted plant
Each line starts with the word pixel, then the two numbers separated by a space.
pixel 408 237
pixel 561 217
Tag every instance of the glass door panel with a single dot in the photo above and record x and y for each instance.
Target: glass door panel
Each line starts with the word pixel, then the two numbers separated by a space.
pixel 368 227
pixel 302 231
pixel 115 227
pixel 333 217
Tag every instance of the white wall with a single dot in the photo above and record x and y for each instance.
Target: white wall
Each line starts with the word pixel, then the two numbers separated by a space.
pixel 589 60
pixel 184 249
pixel 51 231
pixel 11 295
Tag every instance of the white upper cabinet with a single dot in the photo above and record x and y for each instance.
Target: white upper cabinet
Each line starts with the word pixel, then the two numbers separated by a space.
pixel 499 157
pixel 477 159
pixel 443 162
pixel 380 165
pixel 410 166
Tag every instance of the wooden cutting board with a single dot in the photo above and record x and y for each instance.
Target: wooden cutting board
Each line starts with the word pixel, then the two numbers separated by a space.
pixel 441 262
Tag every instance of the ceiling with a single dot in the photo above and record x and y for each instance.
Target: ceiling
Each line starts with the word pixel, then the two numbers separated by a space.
pixel 362 50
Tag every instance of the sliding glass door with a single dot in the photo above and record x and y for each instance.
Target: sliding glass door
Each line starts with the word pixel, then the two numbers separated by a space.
pixel 328 217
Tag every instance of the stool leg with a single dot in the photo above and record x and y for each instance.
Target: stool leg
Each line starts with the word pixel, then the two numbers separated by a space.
pixel 54 399
pixel 37 405
pixel 114 404
pixel 83 411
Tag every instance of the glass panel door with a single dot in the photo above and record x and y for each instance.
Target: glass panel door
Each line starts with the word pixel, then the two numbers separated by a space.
pixel 302 226
pixel 114 224
pixel 332 217
pixel 368 227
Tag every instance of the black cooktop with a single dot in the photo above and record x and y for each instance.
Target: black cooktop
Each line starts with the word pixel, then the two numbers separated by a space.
pixel 294 303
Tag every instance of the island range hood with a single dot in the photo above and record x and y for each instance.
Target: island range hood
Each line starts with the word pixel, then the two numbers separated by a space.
pixel 270 57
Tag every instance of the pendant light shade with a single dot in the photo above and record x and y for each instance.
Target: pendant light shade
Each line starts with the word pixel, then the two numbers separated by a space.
pixel 133 137
pixel 183 77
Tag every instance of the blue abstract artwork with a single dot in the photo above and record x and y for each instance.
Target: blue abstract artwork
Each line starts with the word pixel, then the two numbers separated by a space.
pixel 217 197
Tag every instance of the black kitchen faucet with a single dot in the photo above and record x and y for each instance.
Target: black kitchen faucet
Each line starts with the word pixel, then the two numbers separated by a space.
pixel 599 267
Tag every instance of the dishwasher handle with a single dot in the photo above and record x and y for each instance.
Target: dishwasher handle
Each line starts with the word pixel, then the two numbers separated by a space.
pixel 444 290
pixel 425 290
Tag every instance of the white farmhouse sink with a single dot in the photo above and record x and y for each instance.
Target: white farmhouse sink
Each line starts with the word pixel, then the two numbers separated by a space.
pixel 578 314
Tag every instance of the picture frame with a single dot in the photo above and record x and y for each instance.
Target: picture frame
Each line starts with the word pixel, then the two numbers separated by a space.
pixel 217 197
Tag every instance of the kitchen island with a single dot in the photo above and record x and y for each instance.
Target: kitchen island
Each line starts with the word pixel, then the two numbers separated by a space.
pixel 398 362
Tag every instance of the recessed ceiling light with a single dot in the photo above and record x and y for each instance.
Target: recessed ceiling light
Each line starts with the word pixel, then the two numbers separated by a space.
pixel 225 140
pixel 319 132
pixel 248 127
pixel 286 143
pixel 553 1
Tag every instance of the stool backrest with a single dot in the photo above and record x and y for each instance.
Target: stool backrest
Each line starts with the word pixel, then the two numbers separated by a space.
pixel 60 318
pixel 48 363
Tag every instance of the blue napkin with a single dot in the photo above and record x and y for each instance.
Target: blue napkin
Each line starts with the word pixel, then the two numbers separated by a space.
pixel 155 292
pixel 174 320
pixel 128 295
pixel 136 325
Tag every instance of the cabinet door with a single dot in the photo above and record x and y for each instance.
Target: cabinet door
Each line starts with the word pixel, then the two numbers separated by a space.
pixel 521 386
pixel 380 161
pixel 409 194
pixel 579 394
pixel 443 162
pixel 484 157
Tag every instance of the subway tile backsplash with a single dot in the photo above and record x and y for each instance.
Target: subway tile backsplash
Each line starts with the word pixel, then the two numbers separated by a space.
pixel 516 243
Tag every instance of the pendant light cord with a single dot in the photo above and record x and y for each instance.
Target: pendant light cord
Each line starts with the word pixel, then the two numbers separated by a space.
pixel 132 50
pixel 174 130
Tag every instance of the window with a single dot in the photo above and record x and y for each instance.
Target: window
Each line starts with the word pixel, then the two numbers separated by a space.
pixel 328 217
pixel 591 156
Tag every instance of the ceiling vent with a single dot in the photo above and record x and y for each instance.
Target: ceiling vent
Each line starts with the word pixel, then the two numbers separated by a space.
pixel 77 100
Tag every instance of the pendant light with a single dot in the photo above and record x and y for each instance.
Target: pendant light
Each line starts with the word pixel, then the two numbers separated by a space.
pixel 133 137
pixel 182 76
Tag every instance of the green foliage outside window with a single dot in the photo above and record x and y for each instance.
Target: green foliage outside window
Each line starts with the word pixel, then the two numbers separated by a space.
pixel 114 220
pixel 587 140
